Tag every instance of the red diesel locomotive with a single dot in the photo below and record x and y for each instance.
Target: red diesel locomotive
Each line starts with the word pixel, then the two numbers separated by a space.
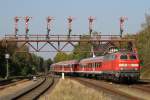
pixel 116 66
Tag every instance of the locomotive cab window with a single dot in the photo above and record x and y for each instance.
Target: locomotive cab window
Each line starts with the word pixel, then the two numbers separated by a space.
pixel 123 57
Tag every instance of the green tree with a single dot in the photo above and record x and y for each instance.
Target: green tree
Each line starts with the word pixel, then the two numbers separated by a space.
pixel 60 56
pixel 47 64
pixel 19 63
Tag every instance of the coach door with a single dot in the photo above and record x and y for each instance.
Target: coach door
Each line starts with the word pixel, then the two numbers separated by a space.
pixel 112 60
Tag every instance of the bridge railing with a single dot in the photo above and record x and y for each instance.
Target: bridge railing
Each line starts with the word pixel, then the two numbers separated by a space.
pixel 66 37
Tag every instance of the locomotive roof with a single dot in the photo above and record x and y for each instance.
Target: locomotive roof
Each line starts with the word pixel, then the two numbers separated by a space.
pixel 68 62
pixel 123 52
pixel 95 59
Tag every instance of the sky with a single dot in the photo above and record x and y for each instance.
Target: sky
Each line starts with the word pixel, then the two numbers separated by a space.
pixel 107 13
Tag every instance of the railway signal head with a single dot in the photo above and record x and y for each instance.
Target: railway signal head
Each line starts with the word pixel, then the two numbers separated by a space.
pixel 27 18
pixel 122 19
pixel 70 19
pixel 49 18
pixel 91 19
pixel 16 19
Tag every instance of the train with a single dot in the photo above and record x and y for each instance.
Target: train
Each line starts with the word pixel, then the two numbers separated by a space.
pixel 116 66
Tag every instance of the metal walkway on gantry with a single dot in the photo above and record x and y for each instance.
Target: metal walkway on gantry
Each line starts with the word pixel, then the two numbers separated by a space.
pixel 52 40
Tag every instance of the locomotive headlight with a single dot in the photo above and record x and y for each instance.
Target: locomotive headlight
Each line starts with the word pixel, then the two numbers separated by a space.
pixel 136 69
pixel 121 68
pixel 134 65
pixel 123 65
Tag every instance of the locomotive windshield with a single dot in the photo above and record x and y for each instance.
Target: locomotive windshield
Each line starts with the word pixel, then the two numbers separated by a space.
pixel 132 57
pixel 124 57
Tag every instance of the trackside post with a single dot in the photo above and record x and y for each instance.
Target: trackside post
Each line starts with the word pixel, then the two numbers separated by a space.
pixel 63 76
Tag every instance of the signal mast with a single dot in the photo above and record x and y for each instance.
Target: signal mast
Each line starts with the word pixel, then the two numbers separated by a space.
pixel 27 18
pixel 91 19
pixel 49 19
pixel 122 21
pixel 16 19
pixel 70 19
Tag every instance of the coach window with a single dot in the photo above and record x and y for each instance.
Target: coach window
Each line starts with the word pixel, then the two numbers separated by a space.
pixel 80 65
pixel 88 65
pixel 96 65
pixel 91 65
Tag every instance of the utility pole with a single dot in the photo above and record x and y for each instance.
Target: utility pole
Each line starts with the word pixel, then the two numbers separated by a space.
pixel 7 65
pixel 91 19
pixel 122 20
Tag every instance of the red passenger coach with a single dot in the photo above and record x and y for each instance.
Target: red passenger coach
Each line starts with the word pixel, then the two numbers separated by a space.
pixel 90 66
pixel 67 67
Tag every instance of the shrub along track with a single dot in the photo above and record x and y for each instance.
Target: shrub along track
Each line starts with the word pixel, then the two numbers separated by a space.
pixel 35 91
pixel 106 88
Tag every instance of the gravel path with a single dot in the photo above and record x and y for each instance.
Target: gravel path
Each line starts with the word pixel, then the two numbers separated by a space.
pixel 14 89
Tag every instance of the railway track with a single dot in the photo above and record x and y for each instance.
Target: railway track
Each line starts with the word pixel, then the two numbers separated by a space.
pixel 109 90
pixel 36 91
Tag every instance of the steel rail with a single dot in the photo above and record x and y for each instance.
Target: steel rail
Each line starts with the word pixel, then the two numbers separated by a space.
pixel 35 92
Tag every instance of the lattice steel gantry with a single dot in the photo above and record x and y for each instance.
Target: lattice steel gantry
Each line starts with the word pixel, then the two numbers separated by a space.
pixel 62 39
pixel 51 40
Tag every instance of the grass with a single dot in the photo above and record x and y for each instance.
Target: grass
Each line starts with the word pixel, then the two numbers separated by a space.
pixel 71 90
pixel 145 74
